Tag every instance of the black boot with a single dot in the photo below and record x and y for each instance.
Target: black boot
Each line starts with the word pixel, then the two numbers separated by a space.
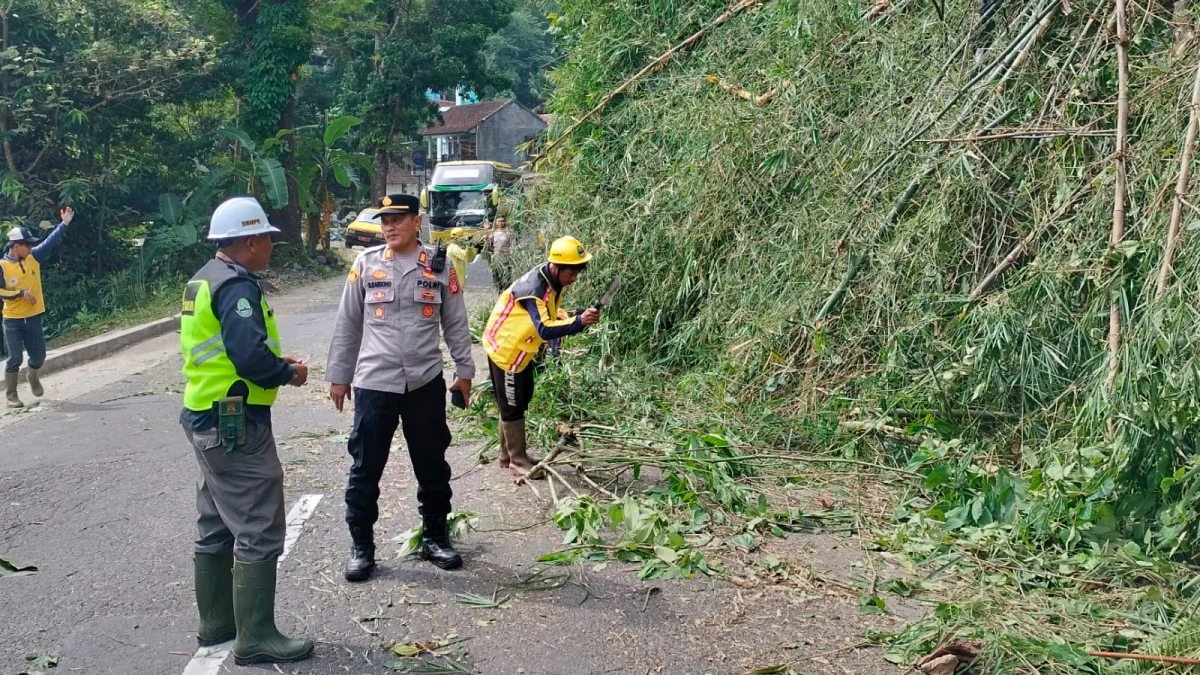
pixel 362 554
pixel 435 545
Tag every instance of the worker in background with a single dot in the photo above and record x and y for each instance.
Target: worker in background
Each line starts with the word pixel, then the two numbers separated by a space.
pixel 502 241
pixel 24 305
pixel 398 301
pixel 526 315
pixel 234 368
pixel 462 250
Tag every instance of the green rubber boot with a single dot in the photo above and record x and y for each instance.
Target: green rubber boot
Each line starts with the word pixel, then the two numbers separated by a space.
pixel 35 382
pixel 258 640
pixel 214 599
pixel 10 390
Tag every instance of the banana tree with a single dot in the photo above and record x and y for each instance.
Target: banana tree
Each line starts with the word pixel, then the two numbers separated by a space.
pixel 181 220
pixel 322 168
pixel 259 171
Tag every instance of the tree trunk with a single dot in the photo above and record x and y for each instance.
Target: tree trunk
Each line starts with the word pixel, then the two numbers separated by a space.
pixel 379 180
pixel 9 159
pixel 289 218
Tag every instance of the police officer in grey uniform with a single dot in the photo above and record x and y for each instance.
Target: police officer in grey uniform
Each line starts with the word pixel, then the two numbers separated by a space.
pixel 386 357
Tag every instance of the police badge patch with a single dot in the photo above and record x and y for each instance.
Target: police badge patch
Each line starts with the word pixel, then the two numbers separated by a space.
pixel 244 309
pixel 453 282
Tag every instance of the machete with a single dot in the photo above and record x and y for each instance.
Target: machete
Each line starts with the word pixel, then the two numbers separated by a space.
pixel 608 295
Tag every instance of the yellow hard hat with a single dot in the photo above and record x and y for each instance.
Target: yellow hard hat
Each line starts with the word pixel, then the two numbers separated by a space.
pixel 457 232
pixel 568 251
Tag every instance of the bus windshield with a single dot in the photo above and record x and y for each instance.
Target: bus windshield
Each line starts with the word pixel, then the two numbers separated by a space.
pixel 469 207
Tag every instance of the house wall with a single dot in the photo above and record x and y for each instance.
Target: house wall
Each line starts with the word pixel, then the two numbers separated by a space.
pixel 500 134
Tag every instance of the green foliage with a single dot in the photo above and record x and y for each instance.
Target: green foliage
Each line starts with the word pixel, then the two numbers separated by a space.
pixel 733 224
pixel 521 53
pixel 277 42
pixel 403 49
pixel 817 264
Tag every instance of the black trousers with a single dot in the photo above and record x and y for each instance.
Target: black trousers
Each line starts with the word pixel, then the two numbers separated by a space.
pixel 513 391
pixel 422 412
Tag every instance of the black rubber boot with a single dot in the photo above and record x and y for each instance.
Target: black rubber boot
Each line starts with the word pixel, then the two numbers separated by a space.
pixel 362 554
pixel 435 545
pixel 214 598
pixel 258 640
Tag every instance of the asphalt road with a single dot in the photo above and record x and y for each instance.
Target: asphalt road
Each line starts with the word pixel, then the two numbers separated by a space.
pixel 97 491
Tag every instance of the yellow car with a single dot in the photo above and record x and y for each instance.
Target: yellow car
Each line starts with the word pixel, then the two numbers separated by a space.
pixel 365 230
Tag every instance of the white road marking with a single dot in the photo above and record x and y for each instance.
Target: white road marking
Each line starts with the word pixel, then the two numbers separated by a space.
pixel 295 520
pixel 208 660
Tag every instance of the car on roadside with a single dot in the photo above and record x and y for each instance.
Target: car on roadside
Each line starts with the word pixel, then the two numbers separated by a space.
pixel 364 230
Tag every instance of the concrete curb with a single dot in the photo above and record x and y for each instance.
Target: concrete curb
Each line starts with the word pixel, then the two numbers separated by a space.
pixel 103 345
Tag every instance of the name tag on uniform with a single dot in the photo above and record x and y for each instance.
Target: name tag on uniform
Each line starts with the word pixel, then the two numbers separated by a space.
pixel 427 296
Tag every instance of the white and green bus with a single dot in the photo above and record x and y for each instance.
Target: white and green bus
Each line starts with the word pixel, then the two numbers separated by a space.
pixel 465 194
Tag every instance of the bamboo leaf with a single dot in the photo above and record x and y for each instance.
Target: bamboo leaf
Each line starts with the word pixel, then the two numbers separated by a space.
pixel 8 569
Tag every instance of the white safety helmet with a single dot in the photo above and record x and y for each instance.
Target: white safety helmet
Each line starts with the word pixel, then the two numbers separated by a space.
pixel 239 217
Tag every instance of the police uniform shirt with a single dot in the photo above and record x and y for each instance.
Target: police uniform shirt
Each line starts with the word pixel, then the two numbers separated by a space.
pixel 238 307
pixel 393 310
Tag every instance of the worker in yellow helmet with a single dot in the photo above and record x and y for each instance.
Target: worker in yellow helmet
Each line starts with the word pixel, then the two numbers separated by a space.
pixel 526 316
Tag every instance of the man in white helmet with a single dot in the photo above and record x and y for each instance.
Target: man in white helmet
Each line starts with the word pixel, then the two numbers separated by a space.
pixel 234 367
pixel 24 307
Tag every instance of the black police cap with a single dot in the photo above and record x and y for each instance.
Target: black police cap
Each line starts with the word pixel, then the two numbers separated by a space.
pixel 398 204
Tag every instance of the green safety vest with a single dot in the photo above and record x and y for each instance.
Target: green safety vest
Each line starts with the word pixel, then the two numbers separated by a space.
pixel 209 372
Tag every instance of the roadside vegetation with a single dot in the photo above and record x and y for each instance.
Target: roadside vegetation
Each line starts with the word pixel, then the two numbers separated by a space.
pixel 888 273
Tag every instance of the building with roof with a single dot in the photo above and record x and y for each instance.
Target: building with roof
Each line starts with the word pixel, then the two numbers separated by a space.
pixel 491 130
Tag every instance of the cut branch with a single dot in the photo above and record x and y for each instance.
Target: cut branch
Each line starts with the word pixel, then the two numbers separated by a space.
pixel 1181 189
pixel 656 64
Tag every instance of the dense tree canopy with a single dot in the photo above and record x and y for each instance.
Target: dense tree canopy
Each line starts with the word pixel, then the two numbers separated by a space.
pixel 143 113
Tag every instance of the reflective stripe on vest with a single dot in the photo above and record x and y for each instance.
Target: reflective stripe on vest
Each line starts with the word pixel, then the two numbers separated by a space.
pixel 510 338
pixel 209 372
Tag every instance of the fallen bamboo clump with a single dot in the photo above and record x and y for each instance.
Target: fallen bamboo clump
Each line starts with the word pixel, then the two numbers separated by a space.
pixel 654 65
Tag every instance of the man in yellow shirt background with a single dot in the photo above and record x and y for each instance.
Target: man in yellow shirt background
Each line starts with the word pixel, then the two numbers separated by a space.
pixel 24 307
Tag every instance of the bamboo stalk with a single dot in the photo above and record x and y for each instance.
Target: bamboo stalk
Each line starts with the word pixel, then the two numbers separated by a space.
pixel 977 79
pixel 1118 225
pixel 1145 657
pixel 1022 246
pixel 1181 188
pixel 857 261
pixel 1021 134
pixel 654 65
pixel 1025 51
